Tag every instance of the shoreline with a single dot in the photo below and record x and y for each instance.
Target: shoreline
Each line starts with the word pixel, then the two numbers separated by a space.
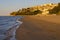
pixel 11 32
pixel 39 28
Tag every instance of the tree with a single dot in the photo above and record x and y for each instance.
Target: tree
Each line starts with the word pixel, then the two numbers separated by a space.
pixel 55 10
pixel 37 12
pixel 13 13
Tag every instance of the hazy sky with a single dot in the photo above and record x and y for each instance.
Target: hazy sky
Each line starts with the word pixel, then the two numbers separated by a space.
pixel 7 6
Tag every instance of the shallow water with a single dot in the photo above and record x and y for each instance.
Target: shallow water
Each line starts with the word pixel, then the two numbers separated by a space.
pixel 8 26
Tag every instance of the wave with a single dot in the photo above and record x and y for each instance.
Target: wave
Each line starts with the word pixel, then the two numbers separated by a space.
pixel 11 32
pixel 8 27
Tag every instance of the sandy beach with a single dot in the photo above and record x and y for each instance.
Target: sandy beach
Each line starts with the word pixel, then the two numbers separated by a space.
pixel 39 28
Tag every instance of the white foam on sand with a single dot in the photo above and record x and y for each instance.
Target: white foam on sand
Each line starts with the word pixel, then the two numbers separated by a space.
pixel 14 32
pixel 10 35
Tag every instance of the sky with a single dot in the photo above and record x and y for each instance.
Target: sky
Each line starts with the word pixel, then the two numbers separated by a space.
pixel 8 6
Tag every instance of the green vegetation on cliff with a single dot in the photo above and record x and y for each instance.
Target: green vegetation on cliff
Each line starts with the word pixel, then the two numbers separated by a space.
pixel 55 10
pixel 40 10
pixel 27 11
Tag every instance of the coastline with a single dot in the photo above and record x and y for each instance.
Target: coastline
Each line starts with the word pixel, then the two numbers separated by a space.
pixel 39 28
pixel 11 23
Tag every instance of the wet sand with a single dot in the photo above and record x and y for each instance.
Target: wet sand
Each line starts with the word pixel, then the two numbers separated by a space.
pixel 39 28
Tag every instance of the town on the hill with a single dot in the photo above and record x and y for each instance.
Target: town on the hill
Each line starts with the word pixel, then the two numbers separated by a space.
pixel 45 9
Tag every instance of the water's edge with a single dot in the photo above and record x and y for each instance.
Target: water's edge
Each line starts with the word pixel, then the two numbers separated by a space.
pixel 10 35
pixel 8 26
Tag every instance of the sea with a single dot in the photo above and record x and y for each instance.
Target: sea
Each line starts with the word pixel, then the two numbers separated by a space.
pixel 8 27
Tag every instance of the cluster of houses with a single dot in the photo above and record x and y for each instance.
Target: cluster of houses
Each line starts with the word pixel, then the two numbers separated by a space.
pixel 45 8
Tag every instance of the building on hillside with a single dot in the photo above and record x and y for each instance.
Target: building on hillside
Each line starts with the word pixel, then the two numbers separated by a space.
pixel 44 8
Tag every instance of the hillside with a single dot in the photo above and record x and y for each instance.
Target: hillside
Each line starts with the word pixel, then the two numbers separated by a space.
pixel 40 9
